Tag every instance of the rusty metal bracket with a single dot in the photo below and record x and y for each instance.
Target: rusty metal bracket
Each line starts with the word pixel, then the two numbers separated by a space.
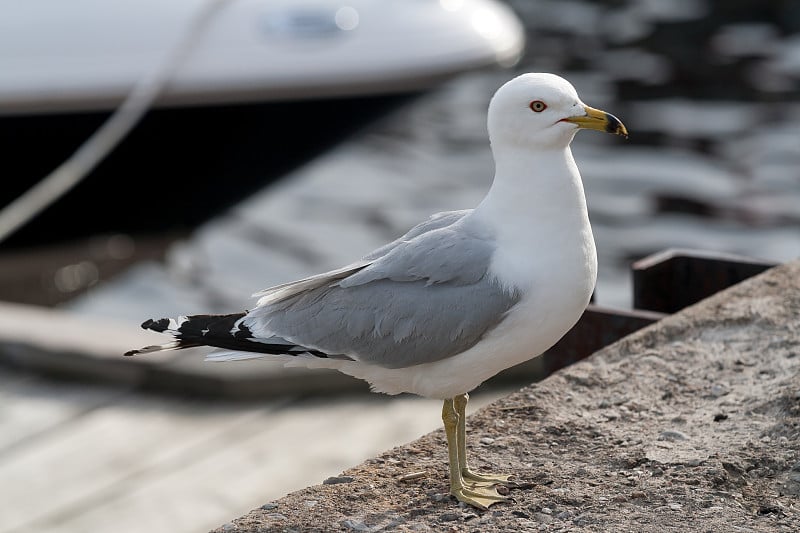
pixel 673 279
pixel 597 328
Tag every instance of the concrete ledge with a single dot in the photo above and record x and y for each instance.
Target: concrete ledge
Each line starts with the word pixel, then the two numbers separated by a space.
pixel 692 424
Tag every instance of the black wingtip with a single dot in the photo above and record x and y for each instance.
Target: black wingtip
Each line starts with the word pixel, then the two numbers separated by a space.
pixel 146 349
pixel 159 325
pixel 158 348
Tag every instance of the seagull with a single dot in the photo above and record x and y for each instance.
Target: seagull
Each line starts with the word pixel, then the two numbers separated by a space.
pixel 459 297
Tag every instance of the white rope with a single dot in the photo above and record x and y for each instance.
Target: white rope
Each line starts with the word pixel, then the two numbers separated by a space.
pixel 141 97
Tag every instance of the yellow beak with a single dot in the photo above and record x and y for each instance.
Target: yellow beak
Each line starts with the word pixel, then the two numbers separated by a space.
pixel 594 119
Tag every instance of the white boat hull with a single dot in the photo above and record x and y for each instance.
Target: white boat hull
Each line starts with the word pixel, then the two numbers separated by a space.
pixel 87 54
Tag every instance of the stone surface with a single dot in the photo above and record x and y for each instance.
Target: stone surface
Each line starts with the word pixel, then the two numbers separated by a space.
pixel 664 461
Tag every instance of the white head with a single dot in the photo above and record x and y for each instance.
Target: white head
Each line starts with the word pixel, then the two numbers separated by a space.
pixel 540 110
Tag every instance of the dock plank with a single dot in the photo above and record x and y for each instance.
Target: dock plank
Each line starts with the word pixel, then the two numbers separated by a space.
pixel 300 444
pixel 103 449
pixel 219 461
pixel 31 406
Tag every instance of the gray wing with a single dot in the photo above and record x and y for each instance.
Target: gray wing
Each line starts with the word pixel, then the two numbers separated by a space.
pixel 422 298
pixel 439 220
pixel 281 292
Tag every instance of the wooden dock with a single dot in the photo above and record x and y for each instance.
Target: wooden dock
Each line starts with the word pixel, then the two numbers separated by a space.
pixel 82 458
pixel 77 456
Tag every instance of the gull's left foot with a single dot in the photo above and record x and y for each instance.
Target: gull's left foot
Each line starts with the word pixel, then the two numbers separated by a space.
pixel 478 490
pixel 480 497
pixel 476 479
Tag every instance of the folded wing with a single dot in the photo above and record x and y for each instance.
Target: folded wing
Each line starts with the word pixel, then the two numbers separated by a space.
pixel 427 296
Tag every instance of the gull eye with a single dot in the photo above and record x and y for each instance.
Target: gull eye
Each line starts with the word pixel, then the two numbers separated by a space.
pixel 537 106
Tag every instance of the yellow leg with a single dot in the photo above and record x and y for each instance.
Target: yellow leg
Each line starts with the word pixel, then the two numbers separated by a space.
pixel 470 477
pixel 477 496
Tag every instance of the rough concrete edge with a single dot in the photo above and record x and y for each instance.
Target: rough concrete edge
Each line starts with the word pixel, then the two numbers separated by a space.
pixel 648 335
pixel 678 320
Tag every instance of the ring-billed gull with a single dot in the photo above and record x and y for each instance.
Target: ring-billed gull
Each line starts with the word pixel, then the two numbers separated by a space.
pixel 459 297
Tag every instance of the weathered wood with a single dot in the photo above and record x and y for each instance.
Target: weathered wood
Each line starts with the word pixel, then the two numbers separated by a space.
pixel 100 459
pixel 31 407
pixel 85 459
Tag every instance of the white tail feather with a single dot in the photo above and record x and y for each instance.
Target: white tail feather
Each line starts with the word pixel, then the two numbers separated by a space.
pixel 230 355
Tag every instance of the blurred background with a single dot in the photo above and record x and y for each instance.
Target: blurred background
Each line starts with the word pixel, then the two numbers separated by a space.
pixel 287 138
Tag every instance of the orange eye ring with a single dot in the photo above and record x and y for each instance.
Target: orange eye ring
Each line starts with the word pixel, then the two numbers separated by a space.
pixel 537 106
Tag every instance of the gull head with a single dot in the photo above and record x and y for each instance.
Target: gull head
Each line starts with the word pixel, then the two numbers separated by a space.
pixel 540 110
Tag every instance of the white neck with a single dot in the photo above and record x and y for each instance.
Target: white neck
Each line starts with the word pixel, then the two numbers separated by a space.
pixel 537 211
pixel 534 186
